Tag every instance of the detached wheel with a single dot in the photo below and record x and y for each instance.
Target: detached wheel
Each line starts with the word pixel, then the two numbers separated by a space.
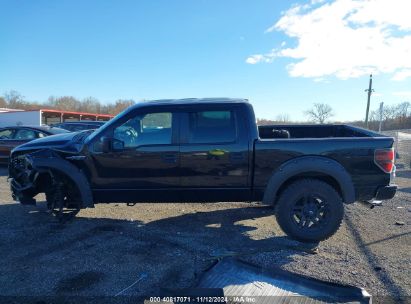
pixel 309 210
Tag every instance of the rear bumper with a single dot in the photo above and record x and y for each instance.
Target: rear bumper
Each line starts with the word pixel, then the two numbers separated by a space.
pixel 386 192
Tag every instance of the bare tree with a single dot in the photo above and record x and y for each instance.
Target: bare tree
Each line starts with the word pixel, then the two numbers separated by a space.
pixel 14 99
pixel 120 105
pixel 374 115
pixel 320 112
pixel 65 103
pixel 403 109
pixel 283 118
pixel 90 104
pixel 265 122
pixel 389 112
pixel 3 102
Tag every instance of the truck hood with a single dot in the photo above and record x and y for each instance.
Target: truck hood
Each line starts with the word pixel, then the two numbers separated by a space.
pixel 69 142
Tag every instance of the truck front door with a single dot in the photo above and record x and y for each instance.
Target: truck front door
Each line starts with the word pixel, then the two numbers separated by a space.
pixel 142 163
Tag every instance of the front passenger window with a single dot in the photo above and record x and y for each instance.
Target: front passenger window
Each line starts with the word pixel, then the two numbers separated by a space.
pixel 146 129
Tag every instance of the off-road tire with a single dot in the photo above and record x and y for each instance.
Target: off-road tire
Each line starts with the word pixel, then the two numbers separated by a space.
pixel 299 190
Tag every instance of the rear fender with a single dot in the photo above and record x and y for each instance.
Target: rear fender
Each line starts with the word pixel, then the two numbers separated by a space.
pixel 306 164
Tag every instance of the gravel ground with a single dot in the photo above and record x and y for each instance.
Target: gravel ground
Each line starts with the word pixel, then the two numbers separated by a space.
pixel 106 249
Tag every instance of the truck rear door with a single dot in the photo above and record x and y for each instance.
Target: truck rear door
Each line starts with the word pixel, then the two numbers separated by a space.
pixel 214 153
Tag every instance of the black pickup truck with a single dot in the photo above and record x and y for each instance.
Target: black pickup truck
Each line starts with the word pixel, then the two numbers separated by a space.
pixel 208 150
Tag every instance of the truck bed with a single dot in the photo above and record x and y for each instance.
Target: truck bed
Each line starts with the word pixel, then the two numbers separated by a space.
pixel 313 131
pixel 351 147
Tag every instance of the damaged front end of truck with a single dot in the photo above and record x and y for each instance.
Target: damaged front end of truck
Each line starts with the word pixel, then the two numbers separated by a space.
pixel 46 171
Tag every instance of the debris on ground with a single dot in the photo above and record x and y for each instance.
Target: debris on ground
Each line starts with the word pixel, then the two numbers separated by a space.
pixel 240 281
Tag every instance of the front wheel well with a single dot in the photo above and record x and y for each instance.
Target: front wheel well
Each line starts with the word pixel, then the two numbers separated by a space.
pixel 310 175
pixel 47 178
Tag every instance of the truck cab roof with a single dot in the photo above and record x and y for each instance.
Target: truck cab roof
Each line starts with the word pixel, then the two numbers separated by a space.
pixel 190 101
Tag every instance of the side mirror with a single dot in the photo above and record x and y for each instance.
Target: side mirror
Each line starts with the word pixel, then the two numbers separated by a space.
pixel 111 144
pixel 105 144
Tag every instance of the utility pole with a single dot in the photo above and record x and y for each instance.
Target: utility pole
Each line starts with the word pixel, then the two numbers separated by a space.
pixel 381 113
pixel 369 90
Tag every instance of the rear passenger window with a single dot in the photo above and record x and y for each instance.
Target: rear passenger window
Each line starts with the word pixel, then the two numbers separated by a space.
pixel 212 127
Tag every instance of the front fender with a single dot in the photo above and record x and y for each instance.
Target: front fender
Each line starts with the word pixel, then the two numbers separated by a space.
pixel 49 161
pixel 310 164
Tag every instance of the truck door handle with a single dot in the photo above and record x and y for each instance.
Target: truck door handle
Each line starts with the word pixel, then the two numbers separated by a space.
pixel 236 156
pixel 217 152
pixel 169 158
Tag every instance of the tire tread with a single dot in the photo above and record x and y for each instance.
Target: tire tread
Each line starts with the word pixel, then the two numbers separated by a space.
pixel 296 187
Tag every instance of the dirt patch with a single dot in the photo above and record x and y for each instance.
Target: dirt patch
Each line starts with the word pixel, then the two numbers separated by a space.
pixel 106 249
pixel 79 281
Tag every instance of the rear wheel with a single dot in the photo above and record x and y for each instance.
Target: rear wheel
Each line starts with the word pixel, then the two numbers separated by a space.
pixel 309 210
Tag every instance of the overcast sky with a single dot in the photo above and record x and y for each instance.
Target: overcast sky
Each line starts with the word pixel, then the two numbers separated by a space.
pixel 282 55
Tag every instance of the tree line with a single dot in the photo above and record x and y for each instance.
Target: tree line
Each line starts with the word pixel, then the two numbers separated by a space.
pixel 318 113
pixel 393 117
pixel 14 100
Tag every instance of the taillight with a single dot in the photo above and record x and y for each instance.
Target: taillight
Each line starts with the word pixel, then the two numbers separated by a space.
pixel 384 158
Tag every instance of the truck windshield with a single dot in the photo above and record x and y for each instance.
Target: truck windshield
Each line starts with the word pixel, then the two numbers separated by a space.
pixel 108 124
